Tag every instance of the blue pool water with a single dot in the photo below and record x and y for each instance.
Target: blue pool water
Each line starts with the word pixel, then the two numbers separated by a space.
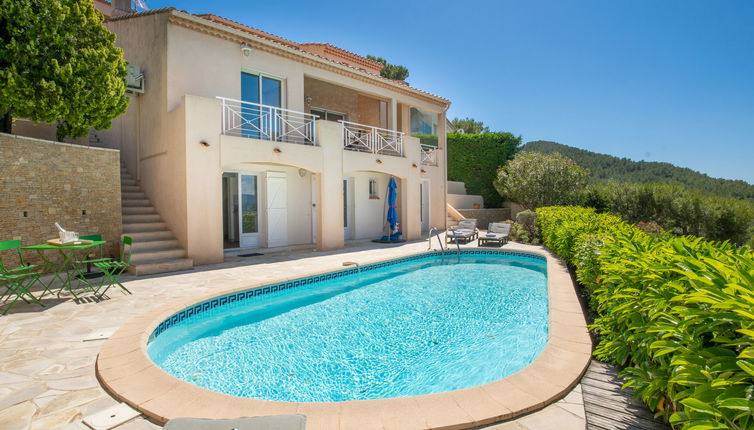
pixel 417 327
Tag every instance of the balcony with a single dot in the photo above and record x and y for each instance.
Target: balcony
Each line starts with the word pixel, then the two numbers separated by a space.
pixel 428 155
pixel 257 121
pixel 376 140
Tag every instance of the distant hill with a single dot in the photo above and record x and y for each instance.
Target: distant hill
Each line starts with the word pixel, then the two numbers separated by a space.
pixel 606 167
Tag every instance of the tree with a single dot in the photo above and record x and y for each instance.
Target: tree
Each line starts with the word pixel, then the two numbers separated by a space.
pixel 469 125
pixel 534 180
pixel 390 71
pixel 58 64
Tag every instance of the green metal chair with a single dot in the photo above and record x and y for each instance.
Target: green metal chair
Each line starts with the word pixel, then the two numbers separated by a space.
pixel 112 269
pixel 17 286
pixel 91 258
pixel 14 245
pixel 18 280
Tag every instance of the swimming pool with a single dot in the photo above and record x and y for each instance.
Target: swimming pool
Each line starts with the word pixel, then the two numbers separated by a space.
pixel 412 326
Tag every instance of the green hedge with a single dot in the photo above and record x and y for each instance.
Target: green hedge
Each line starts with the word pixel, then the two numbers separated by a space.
pixel 674 208
pixel 475 158
pixel 676 313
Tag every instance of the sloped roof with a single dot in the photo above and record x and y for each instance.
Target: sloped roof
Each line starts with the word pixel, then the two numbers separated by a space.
pixel 320 51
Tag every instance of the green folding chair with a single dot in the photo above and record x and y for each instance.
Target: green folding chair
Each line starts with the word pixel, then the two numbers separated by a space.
pixel 17 286
pixel 112 269
pixel 9 246
pixel 90 258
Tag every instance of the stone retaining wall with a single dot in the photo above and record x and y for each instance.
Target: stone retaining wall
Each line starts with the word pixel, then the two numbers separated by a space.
pixel 43 182
pixel 485 216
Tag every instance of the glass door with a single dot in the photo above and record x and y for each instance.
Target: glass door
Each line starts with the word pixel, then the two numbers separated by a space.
pixel 249 210
pixel 261 122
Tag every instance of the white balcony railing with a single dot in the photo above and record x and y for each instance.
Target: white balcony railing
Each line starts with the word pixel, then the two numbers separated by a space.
pixel 429 155
pixel 365 138
pixel 257 121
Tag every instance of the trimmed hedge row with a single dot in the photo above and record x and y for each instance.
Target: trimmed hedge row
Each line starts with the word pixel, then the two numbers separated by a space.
pixel 676 313
pixel 475 158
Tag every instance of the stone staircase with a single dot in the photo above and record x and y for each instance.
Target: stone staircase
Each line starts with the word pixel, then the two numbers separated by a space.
pixel 154 248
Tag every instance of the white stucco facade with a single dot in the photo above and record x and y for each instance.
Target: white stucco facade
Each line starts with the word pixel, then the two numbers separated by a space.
pixel 173 141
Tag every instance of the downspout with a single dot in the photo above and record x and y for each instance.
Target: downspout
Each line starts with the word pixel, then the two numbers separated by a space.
pixel 445 170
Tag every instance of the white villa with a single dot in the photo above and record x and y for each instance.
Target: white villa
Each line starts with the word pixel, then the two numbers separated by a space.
pixel 241 139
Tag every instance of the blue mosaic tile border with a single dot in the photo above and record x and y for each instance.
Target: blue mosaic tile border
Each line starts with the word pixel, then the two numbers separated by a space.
pixel 282 286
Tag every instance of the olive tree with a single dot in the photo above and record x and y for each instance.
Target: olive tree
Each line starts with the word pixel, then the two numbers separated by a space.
pixel 532 179
pixel 59 64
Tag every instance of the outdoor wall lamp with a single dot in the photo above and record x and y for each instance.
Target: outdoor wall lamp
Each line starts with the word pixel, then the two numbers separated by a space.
pixel 414 165
pixel 245 49
pixel 424 171
pixel 308 100
pixel 379 161
pixel 277 151
pixel 204 143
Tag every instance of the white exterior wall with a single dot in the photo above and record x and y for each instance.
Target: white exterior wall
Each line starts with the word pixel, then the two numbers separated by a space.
pixel 160 136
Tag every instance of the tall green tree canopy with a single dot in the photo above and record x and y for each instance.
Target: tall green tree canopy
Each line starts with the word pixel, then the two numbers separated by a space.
pixel 390 71
pixel 469 125
pixel 58 64
pixel 534 180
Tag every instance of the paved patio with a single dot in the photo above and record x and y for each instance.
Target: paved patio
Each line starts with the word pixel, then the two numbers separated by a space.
pixel 47 377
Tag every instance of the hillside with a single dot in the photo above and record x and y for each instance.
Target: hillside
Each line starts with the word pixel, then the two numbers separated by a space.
pixel 606 167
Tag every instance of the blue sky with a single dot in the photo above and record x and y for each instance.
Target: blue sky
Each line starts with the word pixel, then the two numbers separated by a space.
pixel 654 80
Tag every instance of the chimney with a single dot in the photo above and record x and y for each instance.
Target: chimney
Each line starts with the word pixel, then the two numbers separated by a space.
pixel 122 7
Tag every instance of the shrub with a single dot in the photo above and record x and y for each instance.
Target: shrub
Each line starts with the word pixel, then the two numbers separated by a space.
pixel 533 179
pixel 475 158
pixel 675 209
pixel 674 312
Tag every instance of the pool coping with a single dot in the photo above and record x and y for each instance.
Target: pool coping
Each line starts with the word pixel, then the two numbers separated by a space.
pixel 125 370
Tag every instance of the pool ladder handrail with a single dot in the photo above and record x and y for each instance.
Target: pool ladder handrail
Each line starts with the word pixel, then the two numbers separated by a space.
pixel 436 232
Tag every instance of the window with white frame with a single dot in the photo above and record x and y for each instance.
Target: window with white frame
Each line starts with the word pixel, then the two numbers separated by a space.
pixel 373 191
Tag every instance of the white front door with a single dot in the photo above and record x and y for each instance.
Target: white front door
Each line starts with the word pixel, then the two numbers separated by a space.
pixel 277 209
pixel 347 208
pixel 424 210
pixel 248 222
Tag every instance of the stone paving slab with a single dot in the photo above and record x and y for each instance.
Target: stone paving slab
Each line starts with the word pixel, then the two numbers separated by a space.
pixel 47 375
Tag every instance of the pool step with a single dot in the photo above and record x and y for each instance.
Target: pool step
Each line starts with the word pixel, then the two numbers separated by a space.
pixel 154 249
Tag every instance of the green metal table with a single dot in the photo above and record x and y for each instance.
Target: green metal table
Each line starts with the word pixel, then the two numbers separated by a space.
pixel 65 271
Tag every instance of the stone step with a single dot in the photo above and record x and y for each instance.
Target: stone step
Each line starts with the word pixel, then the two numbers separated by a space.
pixel 142 227
pixel 161 266
pixel 134 202
pixel 140 218
pixel 149 256
pixel 133 210
pixel 147 236
pixel 127 182
pixel 132 195
pixel 154 245
pixel 129 188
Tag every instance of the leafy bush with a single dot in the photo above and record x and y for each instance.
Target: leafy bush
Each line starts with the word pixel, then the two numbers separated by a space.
pixel 475 158
pixel 675 209
pixel 675 312
pixel 533 179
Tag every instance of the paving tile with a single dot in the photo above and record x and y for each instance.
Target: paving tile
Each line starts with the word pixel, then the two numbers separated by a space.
pixel 36 354
pixel 17 417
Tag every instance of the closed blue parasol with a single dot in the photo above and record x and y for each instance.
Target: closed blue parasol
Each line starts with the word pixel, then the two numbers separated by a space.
pixel 392 196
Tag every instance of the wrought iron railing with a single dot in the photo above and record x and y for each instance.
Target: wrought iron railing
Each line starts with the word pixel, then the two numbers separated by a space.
pixel 258 121
pixel 365 138
pixel 429 155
